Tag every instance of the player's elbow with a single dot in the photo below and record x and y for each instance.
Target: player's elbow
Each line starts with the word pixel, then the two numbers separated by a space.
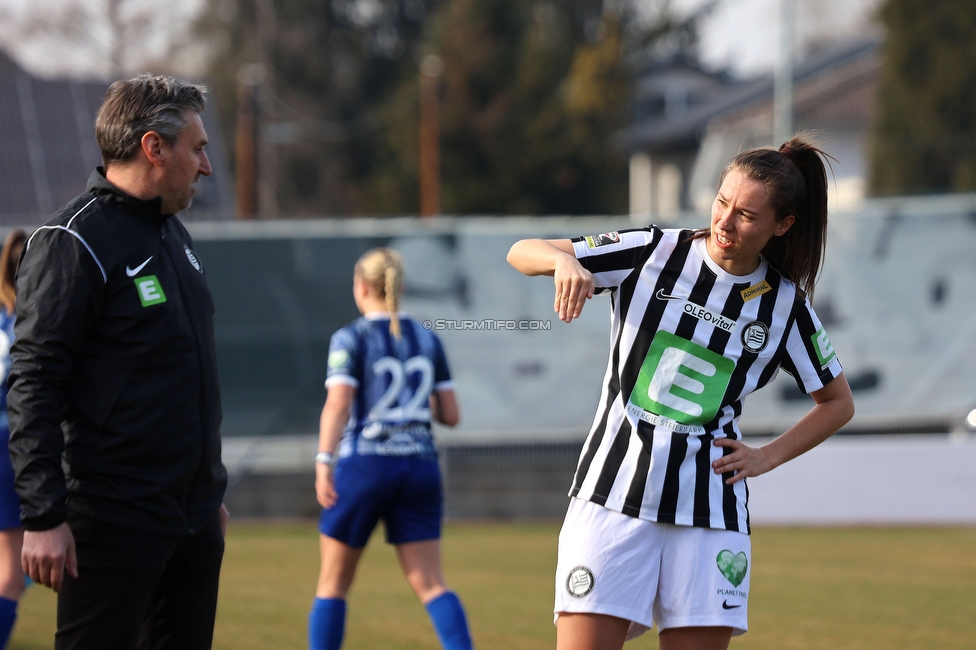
pixel 513 256
pixel 448 414
pixel 843 410
pixel 446 410
pixel 848 409
pixel 520 256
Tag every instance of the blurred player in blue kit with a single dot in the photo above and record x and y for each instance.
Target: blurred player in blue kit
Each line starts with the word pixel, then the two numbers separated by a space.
pixel 387 378
pixel 11 531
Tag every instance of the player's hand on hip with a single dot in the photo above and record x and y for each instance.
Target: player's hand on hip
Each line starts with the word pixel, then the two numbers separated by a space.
pixel 324 485
pixel 574 285
pixel 47 554
pixel 744 460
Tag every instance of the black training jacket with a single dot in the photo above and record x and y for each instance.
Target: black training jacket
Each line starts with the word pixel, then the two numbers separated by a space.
pixel 114 403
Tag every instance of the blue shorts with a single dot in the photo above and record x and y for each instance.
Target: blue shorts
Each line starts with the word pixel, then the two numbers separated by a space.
pixel 403 491
pixel 9 501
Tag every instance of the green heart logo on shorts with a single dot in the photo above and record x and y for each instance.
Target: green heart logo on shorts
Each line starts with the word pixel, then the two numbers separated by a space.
pixel 733 566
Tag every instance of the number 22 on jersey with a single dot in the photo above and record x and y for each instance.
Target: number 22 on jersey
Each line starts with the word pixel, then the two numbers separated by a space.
pixel 400 402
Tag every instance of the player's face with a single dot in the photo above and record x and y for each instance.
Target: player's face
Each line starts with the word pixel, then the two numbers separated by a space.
pixel 359 291
pixel 742 223
pixel 186 162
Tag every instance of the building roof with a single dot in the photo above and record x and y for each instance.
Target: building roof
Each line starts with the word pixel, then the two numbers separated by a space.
pixel 48 150
pixel 829 85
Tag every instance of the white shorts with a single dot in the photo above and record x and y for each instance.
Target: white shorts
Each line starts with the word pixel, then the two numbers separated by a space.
pixel 647 573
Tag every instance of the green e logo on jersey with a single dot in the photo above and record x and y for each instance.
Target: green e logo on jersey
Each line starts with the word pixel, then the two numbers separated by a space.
pixel 825 351
pixel 150 293
pixel 682 380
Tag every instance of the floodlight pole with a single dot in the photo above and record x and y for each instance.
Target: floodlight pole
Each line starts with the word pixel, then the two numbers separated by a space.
pixel 246 172
pixel 430 117
pixel 783 82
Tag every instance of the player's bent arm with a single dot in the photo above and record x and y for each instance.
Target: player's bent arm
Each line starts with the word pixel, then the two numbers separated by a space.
pixel 539 256
pixel 833 409
pixel 333 420
pixel 444 407
pixel 555 257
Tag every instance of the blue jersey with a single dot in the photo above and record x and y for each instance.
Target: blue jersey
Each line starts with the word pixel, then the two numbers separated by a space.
pixel 394 380
pixel 9 501
pixel 6 339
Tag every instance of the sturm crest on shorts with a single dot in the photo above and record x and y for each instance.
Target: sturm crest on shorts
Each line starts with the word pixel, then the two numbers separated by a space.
pixel 580 582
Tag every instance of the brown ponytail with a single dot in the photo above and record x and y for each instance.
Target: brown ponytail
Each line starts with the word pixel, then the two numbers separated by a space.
pixel 382 270
pixel 9 260
pixel 795 178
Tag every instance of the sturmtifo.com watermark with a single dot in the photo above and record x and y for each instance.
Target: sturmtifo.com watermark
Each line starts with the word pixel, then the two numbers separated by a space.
pixel 488 324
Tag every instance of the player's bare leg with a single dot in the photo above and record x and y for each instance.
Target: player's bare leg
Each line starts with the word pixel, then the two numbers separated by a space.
pixel 421 564
pixel 11 573
pixel 338 567
pixel 695 638
pixel 579 631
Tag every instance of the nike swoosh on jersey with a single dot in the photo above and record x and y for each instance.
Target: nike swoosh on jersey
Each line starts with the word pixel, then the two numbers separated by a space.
pixel 131 272
pixel 660 295
pixel 725 605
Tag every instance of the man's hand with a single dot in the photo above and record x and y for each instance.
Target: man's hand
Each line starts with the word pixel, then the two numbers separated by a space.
pixel 224 515
pixel 48 553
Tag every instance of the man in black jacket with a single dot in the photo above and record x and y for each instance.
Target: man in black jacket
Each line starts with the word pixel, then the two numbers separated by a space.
pixel 114 403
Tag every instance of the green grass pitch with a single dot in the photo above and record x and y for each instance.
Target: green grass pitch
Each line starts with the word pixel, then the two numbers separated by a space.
pixel 813 588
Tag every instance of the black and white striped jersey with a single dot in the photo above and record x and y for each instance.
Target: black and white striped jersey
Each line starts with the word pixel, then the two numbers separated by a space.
pixel 688 343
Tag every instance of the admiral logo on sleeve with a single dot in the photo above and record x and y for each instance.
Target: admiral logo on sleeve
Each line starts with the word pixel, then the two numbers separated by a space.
pixel 595 241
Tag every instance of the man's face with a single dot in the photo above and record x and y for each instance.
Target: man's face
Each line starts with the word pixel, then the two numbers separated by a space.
pixel 184 164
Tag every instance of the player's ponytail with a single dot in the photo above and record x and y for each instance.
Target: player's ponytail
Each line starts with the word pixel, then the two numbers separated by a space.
pixel 382 270
pixel 392 275
pixel 795 179
pixel 9 260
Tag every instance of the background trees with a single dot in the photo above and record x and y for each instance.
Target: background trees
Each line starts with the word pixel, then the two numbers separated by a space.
pixel 925 133
pixel 532 94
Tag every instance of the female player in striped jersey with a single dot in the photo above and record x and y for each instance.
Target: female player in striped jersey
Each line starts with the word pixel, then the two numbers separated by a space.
pixel 387 377
pixel 658 529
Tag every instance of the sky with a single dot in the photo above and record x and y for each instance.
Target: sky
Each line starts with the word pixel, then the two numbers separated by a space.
pixel 160 23
pixel 742 35
pixel 739 35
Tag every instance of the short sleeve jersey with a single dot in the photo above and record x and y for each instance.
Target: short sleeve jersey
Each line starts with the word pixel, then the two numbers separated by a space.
pixel 689 341
pixel 394 380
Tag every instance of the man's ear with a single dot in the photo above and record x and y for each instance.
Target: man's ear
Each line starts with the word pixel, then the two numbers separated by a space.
pixel 152 145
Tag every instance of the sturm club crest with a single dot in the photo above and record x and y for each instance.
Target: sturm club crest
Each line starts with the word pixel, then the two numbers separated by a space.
pixel 580 582
pixel 193 258
pixel 755 337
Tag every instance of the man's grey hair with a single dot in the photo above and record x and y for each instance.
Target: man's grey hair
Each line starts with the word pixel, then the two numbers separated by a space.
pixel 146 103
